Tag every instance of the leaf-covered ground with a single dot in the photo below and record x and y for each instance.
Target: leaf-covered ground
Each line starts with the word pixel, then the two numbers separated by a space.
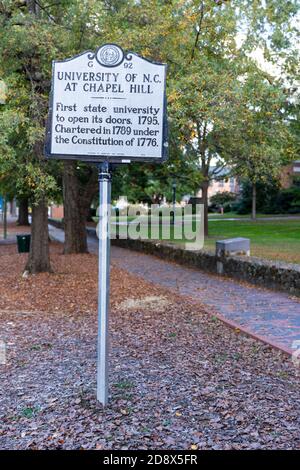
pixel 179 378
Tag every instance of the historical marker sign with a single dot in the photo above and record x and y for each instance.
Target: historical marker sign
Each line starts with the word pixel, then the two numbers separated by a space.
pixel 109 105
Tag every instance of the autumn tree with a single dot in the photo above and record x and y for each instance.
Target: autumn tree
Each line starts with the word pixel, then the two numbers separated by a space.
pixel 28 39
pixel 207 45
pixel 32 33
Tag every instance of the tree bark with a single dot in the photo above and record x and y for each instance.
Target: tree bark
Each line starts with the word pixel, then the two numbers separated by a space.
pixel 23 212
pixel 39 258
pixel 204 188
pixel 74 213
pixel 253 214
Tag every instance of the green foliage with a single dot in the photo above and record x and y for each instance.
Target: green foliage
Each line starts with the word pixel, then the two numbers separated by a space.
pixel 288 200
pixel 221 104
pixel 263 142
pixel 223 199
pixel 270 198
pixel 32 34
pixel 267 193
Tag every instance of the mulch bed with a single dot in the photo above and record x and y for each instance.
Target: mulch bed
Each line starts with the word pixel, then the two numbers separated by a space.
pixel 179 378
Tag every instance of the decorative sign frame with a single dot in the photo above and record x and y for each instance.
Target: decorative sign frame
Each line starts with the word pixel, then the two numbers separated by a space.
pixel 108 105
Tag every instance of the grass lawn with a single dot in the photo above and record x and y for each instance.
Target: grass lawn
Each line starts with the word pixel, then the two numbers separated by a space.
pixel 279 240
pixel 274 239
pixel 271 239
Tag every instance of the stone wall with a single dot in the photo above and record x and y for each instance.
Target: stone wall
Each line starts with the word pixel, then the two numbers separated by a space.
pixel 272 274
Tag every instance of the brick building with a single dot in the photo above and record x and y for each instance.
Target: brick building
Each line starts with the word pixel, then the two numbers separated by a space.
pixel 222 182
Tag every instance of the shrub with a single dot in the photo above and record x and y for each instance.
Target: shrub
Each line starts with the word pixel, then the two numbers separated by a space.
pixel 223 199
pixel 270 199
pixel 288 200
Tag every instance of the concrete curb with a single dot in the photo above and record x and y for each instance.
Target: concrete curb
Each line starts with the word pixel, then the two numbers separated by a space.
pixel 232 324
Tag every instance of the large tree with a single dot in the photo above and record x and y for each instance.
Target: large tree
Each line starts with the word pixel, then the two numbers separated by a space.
pixel 27 40
pixel 199 40
pixel 31 34
pixel 262 142
pixel 209 46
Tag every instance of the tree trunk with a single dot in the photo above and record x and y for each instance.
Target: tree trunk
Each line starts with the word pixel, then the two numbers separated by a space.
pixel 253 214
pixel 23 212
pixel 39 259
pixel 204 187
pixel 74 215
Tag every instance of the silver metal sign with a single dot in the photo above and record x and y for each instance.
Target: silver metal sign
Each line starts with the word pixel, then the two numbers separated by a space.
pixel 108 106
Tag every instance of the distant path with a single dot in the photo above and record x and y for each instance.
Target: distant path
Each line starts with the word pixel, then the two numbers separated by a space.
pixel 248 219
pixel 273 316
pixel 12 230
pixel 8 240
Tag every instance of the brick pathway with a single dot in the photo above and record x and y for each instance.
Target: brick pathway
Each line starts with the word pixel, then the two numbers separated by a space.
pixel 274 316
pixel 266 313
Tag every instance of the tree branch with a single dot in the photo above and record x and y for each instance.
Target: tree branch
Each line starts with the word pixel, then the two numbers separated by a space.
pixel 199 30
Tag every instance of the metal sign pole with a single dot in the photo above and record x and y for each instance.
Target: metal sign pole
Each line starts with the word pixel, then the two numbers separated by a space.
pixel 103 281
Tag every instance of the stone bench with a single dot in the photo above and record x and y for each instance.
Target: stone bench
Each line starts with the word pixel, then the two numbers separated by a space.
pixel 233 246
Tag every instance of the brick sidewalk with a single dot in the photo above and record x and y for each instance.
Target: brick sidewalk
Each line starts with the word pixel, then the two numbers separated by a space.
pixel 274 316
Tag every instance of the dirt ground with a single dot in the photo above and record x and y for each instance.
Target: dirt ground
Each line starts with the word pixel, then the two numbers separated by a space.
pixel 179 378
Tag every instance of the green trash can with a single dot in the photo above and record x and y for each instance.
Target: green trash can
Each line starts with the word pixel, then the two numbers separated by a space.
pixel 23 242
